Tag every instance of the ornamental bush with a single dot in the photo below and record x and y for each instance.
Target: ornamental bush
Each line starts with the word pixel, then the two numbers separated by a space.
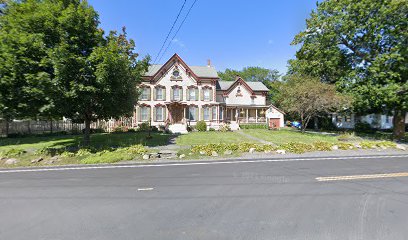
pixel 201 126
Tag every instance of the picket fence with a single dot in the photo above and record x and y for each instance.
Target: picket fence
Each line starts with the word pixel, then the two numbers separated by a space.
pixel 66 125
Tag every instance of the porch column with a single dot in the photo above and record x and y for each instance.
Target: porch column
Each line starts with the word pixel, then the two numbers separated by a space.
pixel 247 117
pixel 256 115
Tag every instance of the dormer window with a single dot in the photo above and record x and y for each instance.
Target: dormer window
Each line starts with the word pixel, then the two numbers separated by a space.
pixel 239 93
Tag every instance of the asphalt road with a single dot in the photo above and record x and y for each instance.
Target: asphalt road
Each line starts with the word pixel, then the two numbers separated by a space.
pixel 233 200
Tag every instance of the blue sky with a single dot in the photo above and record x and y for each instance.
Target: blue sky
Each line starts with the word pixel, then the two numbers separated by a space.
pixel 232 33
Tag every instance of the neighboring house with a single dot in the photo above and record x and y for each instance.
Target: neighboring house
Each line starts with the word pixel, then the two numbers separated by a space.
pixel 176 95
pixel 379 121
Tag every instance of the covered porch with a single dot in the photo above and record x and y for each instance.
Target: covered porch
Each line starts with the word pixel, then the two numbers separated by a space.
pixel 246 114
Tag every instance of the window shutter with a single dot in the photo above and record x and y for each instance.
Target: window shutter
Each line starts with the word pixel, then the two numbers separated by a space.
pixel 181 93
pixel 154 114
pixel 211 94
pixel 149 96
pixel 196 114
pixel 164 93
pixel 202 94
pixel 164 114
pixel 137 114
pixel 188 94
pixel 171 94
pixel 210 110
pixel 154 94
pixel 202 114
pixel 196 94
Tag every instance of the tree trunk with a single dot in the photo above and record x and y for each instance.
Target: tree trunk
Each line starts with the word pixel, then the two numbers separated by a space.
pixel 316 123
pixel 399 125
pixel 87 133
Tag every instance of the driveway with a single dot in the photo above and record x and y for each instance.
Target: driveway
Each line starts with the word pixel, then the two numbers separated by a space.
pixel 308 198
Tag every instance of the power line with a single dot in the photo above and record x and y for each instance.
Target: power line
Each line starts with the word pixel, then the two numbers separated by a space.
pixel 171 29
pixel 185 17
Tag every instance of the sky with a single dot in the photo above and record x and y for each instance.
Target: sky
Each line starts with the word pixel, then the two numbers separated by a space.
pixel 231 33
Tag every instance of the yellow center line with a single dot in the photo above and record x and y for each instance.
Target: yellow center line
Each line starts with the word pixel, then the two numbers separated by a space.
pixel 369 176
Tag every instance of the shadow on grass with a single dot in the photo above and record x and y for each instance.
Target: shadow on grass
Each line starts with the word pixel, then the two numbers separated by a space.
pixel 98 141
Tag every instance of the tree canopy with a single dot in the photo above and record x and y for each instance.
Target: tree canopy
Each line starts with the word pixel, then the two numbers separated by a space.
pixel 362 47
pixel 252 74
pixel 56 61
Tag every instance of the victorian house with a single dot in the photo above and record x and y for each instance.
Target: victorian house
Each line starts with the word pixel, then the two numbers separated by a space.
pixel 177 95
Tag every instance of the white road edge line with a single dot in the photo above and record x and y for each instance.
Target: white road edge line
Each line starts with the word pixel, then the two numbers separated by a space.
pixel 145 189
pixel 194 163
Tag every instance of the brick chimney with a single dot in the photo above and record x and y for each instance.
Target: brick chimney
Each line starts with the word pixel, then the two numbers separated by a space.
pixel 209 63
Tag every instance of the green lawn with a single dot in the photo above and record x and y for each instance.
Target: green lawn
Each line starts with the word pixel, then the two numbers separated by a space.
pixel 287 135
pixel 198 138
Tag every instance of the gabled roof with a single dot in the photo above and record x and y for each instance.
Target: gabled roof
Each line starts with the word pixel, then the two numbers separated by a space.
pixel 255 86
pixel 197 71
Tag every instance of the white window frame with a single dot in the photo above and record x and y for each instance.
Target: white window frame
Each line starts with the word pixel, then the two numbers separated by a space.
pixel 159 110
pixel 159 90
pixel 191 113
pixel 221 113
pixel 192 94
pixel 176 89
pixel 206 113
pixel 214 113
pixel 145 93
pixel 144 113
pixel 206 92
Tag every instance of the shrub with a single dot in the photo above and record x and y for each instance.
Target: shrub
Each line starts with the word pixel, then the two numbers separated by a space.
pixel 154 129
pixel 288 123
pixel 93 130
pixel 363 127
pixel 144 127
pixel 201 126
pixel 348 137
pixel 12 152
pixel 253 126
pixel 345 146
pixel 120 129
pixel 49 151
pixel 83 152
pixel 322 146
pixel 132 130
pixel 224 128
pixel 121 154
pixel 297 147
pixel 222 147
pixel 67 154
pixel 211 129
pixel 137 149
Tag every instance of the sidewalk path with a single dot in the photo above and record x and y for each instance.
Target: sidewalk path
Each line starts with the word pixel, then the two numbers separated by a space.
pixel 254 138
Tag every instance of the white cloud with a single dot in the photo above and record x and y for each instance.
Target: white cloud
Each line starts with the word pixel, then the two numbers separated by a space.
pixel 178 42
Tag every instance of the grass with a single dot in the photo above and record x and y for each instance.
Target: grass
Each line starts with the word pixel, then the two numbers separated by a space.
pixel 120 147
pixel 288 135
pixel 199 138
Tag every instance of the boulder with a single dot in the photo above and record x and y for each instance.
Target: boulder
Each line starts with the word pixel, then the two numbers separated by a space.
pixel 11 161
pixel 214 154
pixel 335 147
pixel 401 147
pixel 203 152
pixel 252 150
pixel 182 156
pixel 146 156
pixel 154 155
pixel 281 151
pixel 227 152
pixel 49 161
pixel 37 160
pixel 357 145
pixel 267 151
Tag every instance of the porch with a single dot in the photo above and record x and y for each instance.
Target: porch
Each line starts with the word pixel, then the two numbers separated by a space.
pixel 248 115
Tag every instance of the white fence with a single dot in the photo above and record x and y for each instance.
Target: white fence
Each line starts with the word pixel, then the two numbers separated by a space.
pixel 42 126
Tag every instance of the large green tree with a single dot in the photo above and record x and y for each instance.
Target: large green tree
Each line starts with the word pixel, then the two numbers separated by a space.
pixel 363 47
pixel 56 61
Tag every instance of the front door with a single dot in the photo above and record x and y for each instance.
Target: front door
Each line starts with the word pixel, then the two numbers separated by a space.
pixel 176 112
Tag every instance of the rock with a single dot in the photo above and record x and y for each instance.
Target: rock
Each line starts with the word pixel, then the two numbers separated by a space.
pixel 37 160
pixel 202 152
pixel 281 151
pixel 252 150
pixel 401 147
pixel 357 145
pixel 146 156
pixel 11 161
pixel 55 158
pixel 335 147
pixel 182 156
pixel 49 161
pixel 267 151
pixel 190 153
pixel 154 155
pixel 214 154
pixel 227 152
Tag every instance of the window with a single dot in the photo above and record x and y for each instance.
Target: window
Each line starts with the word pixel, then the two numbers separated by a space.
pixel 348 118
pixel 206 92
pixel 160 113
pixel 252 101
pixel 145 93
pixel 221 113
pixel 176 93
pixel 159 93
pixel 387 119
pixel 192 113
pixel 192 94
pixel 339 119
pixel 176 73
pixel 214 113
pixel 206 114
pixel 144 113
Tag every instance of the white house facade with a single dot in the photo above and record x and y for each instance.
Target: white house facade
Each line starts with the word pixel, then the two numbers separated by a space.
pixel 378 121
pixel 176 95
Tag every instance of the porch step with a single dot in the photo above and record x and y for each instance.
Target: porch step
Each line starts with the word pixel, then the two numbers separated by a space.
pixel 178 128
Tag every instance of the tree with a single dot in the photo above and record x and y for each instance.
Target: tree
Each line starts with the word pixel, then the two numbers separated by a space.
pixel 307 97
pixel 363 47
pixel 95 76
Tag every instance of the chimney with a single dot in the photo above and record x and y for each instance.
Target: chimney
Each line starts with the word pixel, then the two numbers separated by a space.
pixel 209 63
